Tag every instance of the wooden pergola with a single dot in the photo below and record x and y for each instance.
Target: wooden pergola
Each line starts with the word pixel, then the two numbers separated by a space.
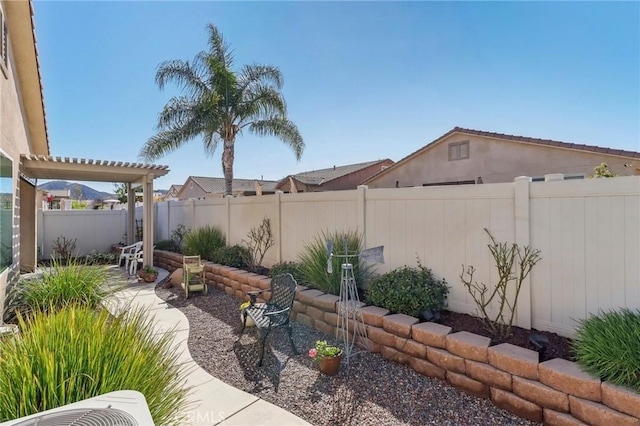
pixel 131 174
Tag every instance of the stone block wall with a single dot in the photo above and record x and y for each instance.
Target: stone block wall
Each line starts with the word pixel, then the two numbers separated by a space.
pixel 554 392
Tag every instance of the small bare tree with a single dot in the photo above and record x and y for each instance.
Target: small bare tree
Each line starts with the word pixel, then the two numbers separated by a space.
pixel 505 256
pixel 260 239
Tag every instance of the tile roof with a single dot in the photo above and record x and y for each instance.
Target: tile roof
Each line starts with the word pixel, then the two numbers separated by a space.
pixel 216 185
pixel 550 142
pixel 319 177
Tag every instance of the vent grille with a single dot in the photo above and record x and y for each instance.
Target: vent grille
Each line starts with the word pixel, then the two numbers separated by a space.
pixel 82 417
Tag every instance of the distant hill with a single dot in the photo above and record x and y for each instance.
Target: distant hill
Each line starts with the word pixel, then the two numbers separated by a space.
pixel 88 193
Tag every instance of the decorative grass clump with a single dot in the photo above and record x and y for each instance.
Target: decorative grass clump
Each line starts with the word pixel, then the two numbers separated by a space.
pixel 78 352
pixel 408 291
pixel 203 241
pixel 58 286
pixel 314 256
pixel 235 256
pixel 608 346
pixel 292 268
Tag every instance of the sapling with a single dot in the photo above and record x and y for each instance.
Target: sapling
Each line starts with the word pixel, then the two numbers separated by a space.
pixel 506 257
pixel 260 240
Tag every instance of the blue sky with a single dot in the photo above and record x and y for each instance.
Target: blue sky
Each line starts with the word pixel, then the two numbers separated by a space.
pixel 363 80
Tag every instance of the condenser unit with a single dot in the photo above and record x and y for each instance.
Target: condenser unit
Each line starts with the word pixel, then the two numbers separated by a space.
pixel 120 408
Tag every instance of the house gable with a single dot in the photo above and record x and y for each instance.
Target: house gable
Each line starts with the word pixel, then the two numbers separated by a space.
pixel 334 179
pixel 466 156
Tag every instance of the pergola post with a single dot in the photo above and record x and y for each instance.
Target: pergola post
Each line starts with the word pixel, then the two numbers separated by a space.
pixel 147 220
pixel 131 214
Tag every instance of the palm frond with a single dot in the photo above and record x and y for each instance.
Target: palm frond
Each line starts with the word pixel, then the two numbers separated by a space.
pixel 177 110
pixel 283 129
pixel 264 74
pixel 183 74
pixel 262 102
pixel 218 47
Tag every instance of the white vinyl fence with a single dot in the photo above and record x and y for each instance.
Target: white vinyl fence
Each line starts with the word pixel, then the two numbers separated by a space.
pixel 587 230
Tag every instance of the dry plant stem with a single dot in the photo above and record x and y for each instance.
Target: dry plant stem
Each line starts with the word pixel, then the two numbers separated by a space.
pixel 505 257
pixel 260 240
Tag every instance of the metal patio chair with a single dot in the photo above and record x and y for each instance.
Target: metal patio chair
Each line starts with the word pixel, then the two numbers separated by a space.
pixel 274 313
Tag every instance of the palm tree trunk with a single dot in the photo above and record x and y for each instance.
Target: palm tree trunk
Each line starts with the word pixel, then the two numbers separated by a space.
pixel 227 165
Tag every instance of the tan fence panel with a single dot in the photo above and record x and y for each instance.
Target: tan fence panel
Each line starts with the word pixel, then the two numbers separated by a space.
pixel 588 232
pixel 305 216
pixel 92 229
pixel 589 235
pixel 443 227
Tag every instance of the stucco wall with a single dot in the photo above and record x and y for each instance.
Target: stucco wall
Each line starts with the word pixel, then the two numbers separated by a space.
pixel 495 160
pixel 13 142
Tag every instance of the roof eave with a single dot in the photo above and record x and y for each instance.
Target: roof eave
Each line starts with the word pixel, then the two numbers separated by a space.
pixel 19 15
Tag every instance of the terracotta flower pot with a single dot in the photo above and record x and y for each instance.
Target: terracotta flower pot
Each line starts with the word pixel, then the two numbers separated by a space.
pixel 148 278
pixel 330 365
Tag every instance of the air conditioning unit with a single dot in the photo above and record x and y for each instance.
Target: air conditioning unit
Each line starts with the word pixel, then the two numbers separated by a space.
pixel 120 408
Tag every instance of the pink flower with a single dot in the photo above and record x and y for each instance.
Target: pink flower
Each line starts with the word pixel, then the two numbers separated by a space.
pixel 313 353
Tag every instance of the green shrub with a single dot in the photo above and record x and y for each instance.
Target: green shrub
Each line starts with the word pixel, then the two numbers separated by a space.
pixel 313 262
pixel 408 291
pixel 234 256
pixel 78 353
pixel 101 258
pixel 203 241
pixel 168 245
pixel 58 286
pixel 608 346
pixel 292 268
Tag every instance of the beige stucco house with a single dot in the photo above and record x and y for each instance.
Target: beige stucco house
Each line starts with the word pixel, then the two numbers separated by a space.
pixel 25 155
pixel 335 178
pixel 23 130
pixel 172 193
pixel 465 156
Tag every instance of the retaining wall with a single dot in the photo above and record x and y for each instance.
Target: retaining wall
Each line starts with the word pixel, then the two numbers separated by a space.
pixel 556 392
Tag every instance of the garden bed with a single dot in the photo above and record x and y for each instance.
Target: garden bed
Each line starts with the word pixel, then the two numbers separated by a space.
pixel 559 347
pixel 373 391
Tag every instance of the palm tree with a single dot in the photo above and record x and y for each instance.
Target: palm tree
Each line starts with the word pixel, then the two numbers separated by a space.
pixel 219 103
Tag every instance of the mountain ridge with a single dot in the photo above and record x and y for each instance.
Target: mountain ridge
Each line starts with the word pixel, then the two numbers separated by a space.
pixel 86 192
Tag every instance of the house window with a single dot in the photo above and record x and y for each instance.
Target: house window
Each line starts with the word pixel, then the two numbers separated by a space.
pixel 4 46
pixel 458 150
pixel 6 212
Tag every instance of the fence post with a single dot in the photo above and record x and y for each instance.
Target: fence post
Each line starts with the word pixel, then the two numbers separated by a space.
pixel 522 230
pixel 168 219
pixel 362 212
pixel 278 226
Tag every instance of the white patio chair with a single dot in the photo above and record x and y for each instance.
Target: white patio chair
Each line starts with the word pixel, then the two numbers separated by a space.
pixel 128 252
pixel 135 262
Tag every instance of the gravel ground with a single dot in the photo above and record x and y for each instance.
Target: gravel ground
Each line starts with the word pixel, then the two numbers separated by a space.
pixel 372 391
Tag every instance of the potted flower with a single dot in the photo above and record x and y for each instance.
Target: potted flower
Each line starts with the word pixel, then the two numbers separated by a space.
pixel 148 274
pixel 327 356
pixel 243 307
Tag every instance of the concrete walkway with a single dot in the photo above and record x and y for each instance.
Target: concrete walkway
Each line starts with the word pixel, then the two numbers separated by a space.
pixel 211 402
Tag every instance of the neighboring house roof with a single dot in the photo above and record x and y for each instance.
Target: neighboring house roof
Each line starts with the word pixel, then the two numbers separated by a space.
pixel 217 185
pixel 322 176
pixel 521 139
pixel 19 15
